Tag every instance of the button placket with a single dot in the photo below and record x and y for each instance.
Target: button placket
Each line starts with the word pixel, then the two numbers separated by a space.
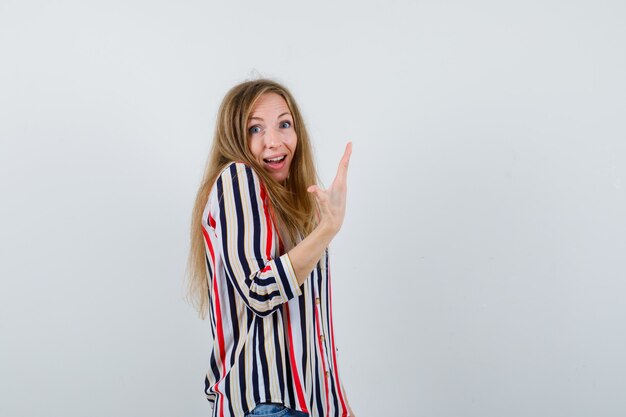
pixel 322 336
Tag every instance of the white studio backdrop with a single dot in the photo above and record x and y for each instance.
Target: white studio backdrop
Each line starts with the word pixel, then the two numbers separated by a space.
pixel 480 271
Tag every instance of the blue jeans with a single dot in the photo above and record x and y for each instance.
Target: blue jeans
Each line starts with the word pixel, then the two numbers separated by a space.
pixel 274 410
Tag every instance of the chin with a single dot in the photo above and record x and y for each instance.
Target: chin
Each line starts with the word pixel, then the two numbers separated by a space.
pixel 280 178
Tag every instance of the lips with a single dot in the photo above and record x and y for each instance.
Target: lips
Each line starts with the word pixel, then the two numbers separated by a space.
pixel 275 159
pixel 275 163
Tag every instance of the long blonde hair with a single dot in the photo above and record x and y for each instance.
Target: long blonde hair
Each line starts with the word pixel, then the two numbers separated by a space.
pixel 294 208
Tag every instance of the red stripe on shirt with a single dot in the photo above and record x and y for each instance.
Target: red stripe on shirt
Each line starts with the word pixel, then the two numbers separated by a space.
pixel 319 343
pixel 218 325
pixel 344 409
pixel 294 367
pixel 268 242
pixel 208 242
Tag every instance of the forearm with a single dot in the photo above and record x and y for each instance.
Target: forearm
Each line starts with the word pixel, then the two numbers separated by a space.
pixel 305 254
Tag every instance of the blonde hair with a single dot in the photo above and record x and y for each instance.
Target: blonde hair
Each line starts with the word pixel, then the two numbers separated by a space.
pixel 293 207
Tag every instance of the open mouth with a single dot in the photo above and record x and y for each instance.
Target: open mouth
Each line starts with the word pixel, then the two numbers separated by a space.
pixel 276 160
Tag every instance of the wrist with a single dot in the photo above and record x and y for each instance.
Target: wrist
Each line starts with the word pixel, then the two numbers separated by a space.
pixel 327 229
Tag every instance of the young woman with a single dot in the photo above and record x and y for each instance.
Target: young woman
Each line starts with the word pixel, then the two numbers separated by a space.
pixel 259 261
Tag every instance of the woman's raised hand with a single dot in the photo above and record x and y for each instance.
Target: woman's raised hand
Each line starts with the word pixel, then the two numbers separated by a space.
pixel 332 201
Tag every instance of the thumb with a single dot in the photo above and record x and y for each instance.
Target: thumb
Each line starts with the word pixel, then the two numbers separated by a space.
pixel 314 189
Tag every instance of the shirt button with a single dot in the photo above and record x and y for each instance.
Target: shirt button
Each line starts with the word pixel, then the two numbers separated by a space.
pixel 317 300
pixel 327 374
pixel 322 337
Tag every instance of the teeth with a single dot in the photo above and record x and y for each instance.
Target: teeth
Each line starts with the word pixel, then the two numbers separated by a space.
pixel 278 159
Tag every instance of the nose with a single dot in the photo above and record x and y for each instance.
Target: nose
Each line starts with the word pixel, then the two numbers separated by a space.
pixel 271 141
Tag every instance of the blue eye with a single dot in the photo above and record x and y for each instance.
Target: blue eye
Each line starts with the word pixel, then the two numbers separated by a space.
pixel 285 125
pixel 254 129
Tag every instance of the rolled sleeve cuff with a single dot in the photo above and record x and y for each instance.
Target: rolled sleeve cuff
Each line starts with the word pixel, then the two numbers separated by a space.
pixel 286 277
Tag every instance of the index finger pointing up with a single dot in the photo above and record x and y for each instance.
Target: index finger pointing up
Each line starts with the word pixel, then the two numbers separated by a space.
pixel 342 170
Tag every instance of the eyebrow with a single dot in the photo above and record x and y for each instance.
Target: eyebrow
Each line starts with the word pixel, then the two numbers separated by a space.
pixel 261 119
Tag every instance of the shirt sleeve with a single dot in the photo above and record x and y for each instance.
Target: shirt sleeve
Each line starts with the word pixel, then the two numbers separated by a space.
pixel 247 235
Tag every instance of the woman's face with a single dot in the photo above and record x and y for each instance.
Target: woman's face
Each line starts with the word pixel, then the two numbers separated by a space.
pixel 271 136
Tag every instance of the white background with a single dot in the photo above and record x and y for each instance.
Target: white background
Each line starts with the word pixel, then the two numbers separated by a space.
pixel 480 271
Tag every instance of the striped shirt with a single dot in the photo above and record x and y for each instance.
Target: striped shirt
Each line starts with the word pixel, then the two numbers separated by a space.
pixel 273 340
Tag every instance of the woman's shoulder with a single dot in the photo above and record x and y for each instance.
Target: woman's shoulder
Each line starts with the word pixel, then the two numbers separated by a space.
pixel 235 168
pixel 236 175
